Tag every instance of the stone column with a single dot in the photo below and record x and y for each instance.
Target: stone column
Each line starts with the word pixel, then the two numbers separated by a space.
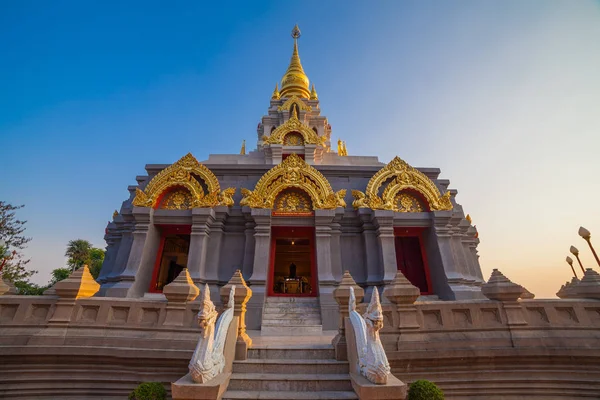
pixel 336 247
pixel 248 244
pixel 201 220
pixel 113 241
pixel 131 250
pixel 262 256
pixel 454 287
pixel 309 153
pixel 114 276
pixel 384 220
pixel 213 254
pixel 276 153
pixel 372 252
pixel 144 249
pixel 327 282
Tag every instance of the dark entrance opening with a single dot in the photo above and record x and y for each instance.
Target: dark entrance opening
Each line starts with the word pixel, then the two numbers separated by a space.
pixel 172 256
pixel 292 271
pixel 411 257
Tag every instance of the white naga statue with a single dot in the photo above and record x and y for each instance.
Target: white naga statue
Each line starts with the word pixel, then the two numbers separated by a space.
pixel 372 361
pixel 208 360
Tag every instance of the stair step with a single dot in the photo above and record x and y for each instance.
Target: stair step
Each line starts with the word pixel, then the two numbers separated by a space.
pixel 295 315
pixel 292 322
pixel 290 382
pixel 292 310
pixel 278 395
pixel 295 353
pixel 300 366
pixel 285 299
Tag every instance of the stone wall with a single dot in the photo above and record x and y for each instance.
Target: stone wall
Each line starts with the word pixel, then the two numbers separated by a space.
pixel 473 350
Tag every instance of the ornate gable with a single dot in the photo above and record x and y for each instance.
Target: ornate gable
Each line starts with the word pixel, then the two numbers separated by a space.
pixel 403 178
pixel 189 174
pixel 293 172
pixel 293 125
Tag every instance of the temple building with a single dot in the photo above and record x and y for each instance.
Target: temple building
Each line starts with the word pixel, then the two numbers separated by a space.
pixel 292 215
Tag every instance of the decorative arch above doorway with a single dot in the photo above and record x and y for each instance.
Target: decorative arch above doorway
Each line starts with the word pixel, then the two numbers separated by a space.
pixel 396 179
pixel 293 172
pixel 187 177
pixel 293 125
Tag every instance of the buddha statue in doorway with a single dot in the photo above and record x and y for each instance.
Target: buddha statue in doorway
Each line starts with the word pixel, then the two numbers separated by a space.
pixel 292 274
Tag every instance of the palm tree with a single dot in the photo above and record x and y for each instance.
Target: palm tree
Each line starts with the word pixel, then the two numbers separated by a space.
pixel 78 251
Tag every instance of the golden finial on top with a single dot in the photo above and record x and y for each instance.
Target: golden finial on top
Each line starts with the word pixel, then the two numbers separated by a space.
pixel 243 150
pixel 295 81
pixel 313 93
pixel 275 95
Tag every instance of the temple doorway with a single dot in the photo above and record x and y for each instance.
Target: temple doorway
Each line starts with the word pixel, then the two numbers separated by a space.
pixel 411 258
pixel 172 256
pixel 293 269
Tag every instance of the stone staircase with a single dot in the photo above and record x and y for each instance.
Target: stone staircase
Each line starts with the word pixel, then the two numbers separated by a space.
pixel 291 316
pixel 294 372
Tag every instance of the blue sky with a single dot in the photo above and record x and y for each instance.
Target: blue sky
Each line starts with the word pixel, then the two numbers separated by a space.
pixel 501 95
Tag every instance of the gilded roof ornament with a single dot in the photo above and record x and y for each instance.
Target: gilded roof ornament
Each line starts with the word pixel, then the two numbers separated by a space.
pixel 293 125
pixel 293 172
pixel 295 81
pixel 403 177
pixel 115 214
pixel 185 173
pixel 243 150
pixel 275 95
pixel 294 100
pixel 313 93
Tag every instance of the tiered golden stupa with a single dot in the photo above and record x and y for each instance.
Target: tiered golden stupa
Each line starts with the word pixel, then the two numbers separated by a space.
pixel 294 81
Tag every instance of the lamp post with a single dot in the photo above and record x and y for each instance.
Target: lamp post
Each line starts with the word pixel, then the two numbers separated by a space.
pixel 570 262
pixel 575 252
pixel 585 234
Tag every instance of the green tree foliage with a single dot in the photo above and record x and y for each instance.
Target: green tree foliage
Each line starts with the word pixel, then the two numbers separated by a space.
pixel 424 390
pixel 59 274
pixel 149 391
pixel 96 259
pixel 81 252
pixel 11 231
pixel 29 289
pixel 78 251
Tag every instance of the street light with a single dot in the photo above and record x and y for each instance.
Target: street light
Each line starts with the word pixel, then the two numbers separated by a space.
pixel 585 234
pixel 575 252
pixel 570 262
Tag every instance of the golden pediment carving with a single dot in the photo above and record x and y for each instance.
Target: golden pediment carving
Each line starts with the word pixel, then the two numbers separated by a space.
pixel 403 178
pixel 293 172
pixel 293 125
pixel 294 100
pixel 187 173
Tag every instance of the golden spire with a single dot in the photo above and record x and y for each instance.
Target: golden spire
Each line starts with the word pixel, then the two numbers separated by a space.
pixel 313 93
pixel 295 81
pixel 243 150
pixel 275 95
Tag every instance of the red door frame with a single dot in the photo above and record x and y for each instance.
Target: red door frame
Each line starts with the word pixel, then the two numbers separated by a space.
pixel 164 231
pixel 294 232
pixel 418 233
